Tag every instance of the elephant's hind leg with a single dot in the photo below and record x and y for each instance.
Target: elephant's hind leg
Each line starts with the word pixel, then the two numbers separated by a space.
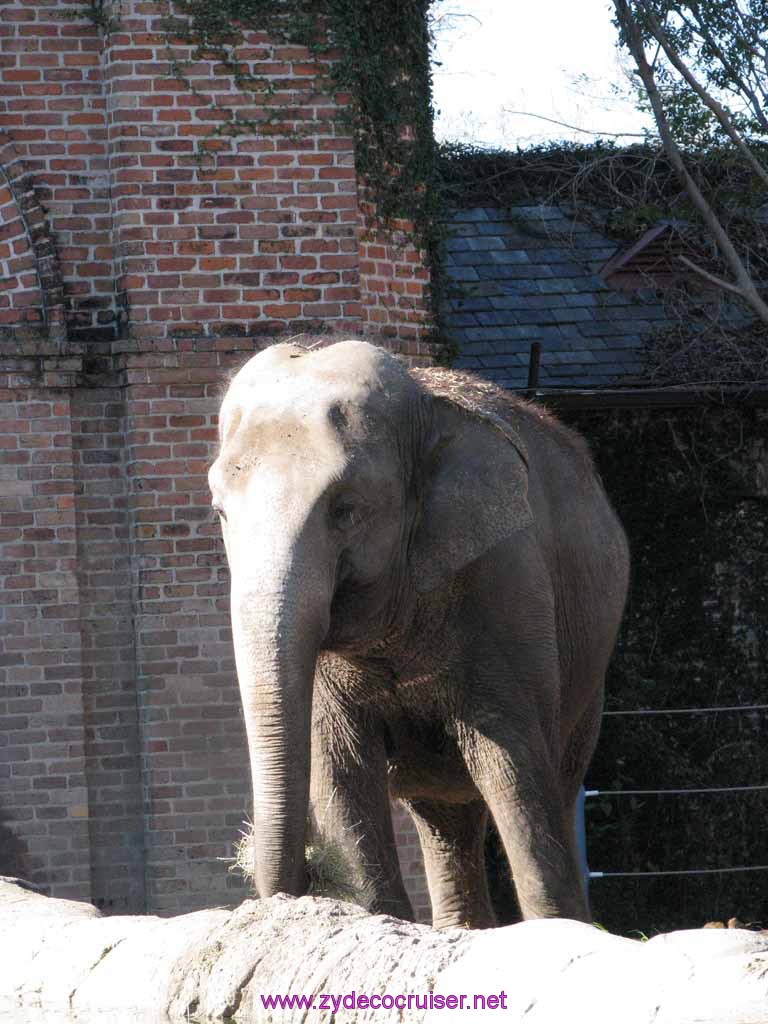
pixel 452 838
pixel 521 788
pixel 579 748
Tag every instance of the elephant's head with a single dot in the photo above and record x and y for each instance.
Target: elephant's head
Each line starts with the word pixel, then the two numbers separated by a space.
pixel 344 488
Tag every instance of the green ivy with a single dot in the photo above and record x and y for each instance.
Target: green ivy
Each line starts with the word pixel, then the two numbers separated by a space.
pixel 624 188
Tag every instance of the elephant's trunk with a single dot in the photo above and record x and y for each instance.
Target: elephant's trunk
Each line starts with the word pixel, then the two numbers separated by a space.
pixel 278 625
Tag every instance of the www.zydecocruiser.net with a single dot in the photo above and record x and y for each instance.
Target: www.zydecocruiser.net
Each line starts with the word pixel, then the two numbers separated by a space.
pixel 361 1001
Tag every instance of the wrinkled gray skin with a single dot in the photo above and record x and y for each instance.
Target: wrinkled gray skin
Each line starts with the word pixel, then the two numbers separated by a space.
pixel 427 582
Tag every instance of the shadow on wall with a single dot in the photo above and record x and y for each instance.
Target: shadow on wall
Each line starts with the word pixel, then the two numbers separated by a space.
pixel 14 856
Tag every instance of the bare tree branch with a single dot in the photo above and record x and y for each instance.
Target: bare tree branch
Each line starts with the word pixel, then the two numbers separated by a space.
pixel 706 98
pixel 712 278
pixel 584 131
pixel 707 36
pixel 743 281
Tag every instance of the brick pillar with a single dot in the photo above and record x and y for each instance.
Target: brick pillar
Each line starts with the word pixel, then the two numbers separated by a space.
pixel 113 768
pixel 43 784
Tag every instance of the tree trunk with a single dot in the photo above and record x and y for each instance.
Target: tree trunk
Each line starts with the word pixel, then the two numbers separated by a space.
pixel 59 956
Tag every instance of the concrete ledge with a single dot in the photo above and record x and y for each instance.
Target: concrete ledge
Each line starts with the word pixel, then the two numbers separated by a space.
pixel 63 957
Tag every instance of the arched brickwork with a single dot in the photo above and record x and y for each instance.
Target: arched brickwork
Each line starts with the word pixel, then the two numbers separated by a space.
pixel 30 280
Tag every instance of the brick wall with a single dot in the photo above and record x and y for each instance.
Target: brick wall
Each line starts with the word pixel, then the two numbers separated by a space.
pixel 394 282
pixel 258 233
pixel 411 862
pixel 164 228
pixel 108 660
pixel 142 259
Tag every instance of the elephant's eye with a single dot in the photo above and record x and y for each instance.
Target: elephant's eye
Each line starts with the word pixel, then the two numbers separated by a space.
pixel 345 513
pixel 219 512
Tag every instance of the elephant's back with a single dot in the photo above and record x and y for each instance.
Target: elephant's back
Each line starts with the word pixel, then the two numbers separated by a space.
pixel 537 426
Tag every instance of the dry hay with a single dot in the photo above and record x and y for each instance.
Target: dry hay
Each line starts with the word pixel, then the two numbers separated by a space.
pixel 329 872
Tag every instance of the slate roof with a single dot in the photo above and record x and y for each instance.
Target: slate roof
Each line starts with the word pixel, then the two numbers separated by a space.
pixel 528 274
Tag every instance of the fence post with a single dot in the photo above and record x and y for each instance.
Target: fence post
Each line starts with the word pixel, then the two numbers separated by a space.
pixel 581 841
pixel 533 369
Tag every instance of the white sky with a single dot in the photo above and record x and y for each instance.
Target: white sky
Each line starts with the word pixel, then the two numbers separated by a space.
pixel 526 55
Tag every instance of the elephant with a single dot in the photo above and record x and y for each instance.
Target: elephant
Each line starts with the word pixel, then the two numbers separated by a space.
pixel 427 580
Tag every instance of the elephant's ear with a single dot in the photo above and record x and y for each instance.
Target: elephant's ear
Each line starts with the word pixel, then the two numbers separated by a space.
pixel 474 485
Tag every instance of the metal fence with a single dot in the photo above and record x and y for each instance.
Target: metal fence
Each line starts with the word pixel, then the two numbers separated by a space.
pixel 580 828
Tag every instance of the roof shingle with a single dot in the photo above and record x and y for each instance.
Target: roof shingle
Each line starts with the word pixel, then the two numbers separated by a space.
pixel 530 274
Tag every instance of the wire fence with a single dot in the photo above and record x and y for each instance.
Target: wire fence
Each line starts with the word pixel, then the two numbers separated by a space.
pixel 685 871
pixel 674 792
pixel 687 711
pixel 759 787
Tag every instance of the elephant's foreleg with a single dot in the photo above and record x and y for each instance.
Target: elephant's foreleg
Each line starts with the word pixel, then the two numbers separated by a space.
pixel 350 806
pixel 452 838
pixel 521 787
